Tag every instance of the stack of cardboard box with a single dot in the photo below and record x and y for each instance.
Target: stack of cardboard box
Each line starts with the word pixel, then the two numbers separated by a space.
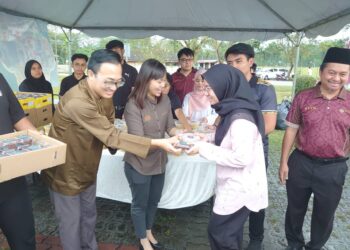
pixel 37 107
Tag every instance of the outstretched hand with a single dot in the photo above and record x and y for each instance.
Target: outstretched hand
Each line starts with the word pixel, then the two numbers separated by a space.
pixel 168 145
pixel 194 149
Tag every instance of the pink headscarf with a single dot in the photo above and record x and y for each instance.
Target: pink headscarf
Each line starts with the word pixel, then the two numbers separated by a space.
pixel 198 100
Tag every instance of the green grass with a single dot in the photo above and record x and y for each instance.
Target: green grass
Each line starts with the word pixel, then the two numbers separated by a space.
pixel 282 92
pixel 275 141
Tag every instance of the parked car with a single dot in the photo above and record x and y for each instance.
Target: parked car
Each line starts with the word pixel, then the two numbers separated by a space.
pixel 274 73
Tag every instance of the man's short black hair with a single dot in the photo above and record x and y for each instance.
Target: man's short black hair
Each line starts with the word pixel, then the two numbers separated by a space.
pixel 254 66
pixel 79 56
pixel 115 44
pixel 323 66
pixel 185 51
pixel 240 48
pixel 102 56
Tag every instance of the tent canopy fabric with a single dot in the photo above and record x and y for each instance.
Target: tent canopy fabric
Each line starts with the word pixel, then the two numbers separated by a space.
pixel 185 19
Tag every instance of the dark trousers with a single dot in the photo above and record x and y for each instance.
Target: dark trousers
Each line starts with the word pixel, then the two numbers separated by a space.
pixel 226 231
pixel 325 181
pixel 17 222
pixel 146 192
pixel 256 219
pixel 256 225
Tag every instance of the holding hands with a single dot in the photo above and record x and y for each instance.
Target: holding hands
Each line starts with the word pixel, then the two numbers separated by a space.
pixel 189 142
pixel 168 144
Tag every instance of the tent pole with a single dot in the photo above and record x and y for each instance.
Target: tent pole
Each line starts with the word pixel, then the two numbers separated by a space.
pixel 296 64
pixel 70 49
pixel 69 52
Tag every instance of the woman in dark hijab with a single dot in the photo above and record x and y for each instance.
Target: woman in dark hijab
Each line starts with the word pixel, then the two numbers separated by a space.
pixel 241 184
pixel 35 80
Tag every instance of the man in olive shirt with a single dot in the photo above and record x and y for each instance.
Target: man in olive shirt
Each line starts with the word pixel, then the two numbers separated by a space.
pixel 84 121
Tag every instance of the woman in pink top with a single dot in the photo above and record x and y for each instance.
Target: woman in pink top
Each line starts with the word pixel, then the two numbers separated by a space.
pixel 238 151
pixel 196 105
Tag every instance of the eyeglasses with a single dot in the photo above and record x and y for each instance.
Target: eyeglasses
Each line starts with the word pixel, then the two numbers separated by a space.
pixel 111 84
pixel 119 83
pixel 186 60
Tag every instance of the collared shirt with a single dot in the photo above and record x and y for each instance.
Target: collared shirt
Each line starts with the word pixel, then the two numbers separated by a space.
pixel 183 84
pixel 323 124
pixel 265 95
pixel 240 178
pixel 152 121
pixel 85 124
pixel 69 82
pixel 121 96
pixel 10 113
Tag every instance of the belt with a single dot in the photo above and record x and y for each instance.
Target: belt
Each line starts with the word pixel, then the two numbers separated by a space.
pixel 324 160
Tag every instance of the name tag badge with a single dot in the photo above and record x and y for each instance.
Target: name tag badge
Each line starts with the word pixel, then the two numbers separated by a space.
pixel 309 108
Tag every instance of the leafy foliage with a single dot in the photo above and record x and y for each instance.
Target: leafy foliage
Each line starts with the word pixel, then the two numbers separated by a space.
pixel 275 53
pixel 304 82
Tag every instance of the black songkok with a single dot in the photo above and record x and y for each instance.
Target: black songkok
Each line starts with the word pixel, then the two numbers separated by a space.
pixel 337 55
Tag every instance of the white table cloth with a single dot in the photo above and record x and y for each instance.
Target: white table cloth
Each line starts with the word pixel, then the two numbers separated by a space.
pixel 189 180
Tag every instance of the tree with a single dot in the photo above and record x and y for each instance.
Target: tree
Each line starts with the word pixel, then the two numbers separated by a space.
pixel 195 44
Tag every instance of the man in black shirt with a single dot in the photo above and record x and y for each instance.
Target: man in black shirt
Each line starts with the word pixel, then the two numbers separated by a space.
pixel 129 74
pixel 79 62
pixel 16 214
pixel 175 102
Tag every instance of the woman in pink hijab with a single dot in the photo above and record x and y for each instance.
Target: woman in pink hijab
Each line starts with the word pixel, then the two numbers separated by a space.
pixel 196 105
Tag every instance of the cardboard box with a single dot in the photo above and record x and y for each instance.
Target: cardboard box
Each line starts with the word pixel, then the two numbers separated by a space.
pixel 26 103
pixel 31 114
pixel 37 100
pixel 43 116
pixel 37 107
pixel 42 100
pixel 29 162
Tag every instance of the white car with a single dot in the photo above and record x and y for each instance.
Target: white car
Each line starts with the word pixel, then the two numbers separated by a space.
pixel 275 73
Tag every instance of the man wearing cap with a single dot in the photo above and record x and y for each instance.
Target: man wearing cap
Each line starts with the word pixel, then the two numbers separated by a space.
pixel 319 123
pixel 129 73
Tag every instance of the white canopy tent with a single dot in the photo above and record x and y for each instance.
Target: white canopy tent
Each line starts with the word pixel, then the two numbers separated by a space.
pixel 184 19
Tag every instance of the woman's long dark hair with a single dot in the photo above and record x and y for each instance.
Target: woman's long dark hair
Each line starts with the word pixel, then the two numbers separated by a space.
pixel 151 69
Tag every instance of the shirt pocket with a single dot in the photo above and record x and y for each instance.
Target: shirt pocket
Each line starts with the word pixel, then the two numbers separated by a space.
pixel 149 123
pixel 339 178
